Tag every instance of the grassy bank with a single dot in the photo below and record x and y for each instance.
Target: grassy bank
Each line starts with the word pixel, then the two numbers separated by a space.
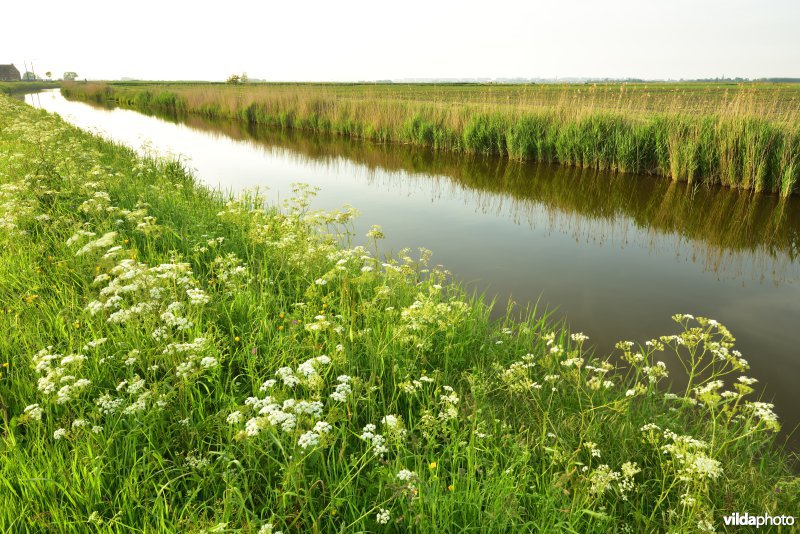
pixel 738 136
pixel 175 361
pixel 8 88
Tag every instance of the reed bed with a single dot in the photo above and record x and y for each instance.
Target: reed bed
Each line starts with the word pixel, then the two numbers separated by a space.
pixel 10 88
pixel 744 136
pixel 718 221
pixel 175 361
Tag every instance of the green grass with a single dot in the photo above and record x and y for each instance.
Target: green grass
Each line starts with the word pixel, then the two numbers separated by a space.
pixel 743 136
pixel 143 314
pixel 9 88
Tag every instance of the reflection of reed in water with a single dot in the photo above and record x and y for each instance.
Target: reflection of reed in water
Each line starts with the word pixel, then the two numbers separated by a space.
pixel 726 230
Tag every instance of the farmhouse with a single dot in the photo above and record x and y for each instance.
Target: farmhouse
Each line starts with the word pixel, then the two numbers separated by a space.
pixel 9 73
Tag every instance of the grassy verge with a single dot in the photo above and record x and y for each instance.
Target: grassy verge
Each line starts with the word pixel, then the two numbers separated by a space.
pixel 744 137
pixel 9 88
pixel 175 361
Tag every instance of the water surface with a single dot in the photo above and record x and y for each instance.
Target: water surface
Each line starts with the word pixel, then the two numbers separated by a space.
pixel 615 255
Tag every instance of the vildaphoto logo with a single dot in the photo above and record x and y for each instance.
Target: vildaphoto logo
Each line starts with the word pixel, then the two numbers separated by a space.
pixel 745 519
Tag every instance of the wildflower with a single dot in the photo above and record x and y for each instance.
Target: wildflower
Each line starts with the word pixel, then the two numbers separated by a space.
pixel 309 439
pixel 592 448
pixel 33 412
pixel 601 479
pixel 579 337
pixel 208 362
pixel 763 412
pixel 59 433
pixel 197 462
pixel 705 467
pixel 383 516
pixel 287 375
pixel 378 442
pixel 405 475
pixel 375 232
pixel 322 427
pixel 106 240
pixel 343 388
pixel 629 469
pixel 391 421
pixel 572 362
pixel 704 525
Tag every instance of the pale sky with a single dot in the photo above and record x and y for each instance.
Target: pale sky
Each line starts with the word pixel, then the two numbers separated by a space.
pixel 370 40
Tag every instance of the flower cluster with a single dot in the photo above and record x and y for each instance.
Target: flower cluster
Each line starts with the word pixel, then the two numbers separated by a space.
pixel 133 290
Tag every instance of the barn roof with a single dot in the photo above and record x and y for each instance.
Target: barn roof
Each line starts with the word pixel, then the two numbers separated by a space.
pixel 8 70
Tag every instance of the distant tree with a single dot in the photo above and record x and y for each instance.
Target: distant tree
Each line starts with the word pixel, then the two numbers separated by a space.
pixel 243 78
pixel 49 75
pixel 70 76
pixel 29 76
pixel 234 79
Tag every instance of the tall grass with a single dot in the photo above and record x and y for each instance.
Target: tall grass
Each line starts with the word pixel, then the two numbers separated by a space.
pixel 725 228
pixel 10 88
pixel 177 361
pixel 747 137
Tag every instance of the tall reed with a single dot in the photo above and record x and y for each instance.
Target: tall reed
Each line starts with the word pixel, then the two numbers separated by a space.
pixel 748 140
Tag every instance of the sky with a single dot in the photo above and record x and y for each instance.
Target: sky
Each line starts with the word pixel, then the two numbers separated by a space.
pixel 374 40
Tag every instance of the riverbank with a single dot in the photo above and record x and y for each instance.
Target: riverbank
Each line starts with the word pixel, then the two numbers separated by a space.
pixel 213 363
pixel 741 136
pixel 10 88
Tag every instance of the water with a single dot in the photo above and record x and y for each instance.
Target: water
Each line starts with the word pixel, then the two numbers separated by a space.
pixel 615 256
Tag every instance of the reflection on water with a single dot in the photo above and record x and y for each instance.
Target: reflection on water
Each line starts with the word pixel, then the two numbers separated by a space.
pixel 728 230
pixel 617 255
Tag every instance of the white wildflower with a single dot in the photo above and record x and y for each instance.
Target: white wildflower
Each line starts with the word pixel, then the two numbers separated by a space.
pixel 383 516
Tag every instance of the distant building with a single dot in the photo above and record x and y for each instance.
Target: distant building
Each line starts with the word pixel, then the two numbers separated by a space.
pixel 9 73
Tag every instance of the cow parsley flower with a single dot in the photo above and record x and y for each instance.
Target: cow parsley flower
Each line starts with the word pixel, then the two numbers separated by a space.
pixel 383 516
pixel 33 412
pixel 405 475
pixel 308 439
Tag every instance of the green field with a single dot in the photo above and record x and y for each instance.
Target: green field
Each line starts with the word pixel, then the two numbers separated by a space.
pixel 737 135
pixel 176 361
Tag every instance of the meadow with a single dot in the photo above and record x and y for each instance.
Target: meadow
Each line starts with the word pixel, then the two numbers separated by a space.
pixel 177 360
pixel 737 135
